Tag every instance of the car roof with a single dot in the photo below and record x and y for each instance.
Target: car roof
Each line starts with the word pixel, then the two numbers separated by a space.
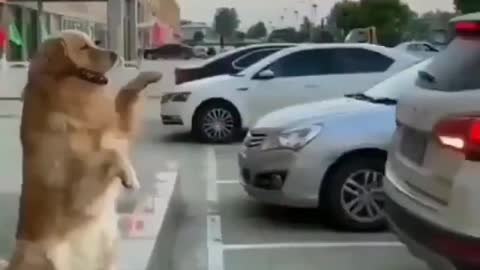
pixel 390 52
pixel 467 17
pixel 378 48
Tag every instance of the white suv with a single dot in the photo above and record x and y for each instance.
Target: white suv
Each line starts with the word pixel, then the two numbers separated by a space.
pixel 433 168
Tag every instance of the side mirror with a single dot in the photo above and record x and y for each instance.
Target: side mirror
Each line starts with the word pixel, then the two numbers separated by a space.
pixel 266 74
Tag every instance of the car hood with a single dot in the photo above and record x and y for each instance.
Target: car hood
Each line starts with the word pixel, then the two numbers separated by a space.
pixel 327 109
pixel 208 83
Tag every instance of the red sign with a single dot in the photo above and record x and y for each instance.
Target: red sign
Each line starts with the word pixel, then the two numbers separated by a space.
pixel 3 37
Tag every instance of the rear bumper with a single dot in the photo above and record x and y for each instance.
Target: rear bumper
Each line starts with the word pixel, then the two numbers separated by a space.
pixel 443 249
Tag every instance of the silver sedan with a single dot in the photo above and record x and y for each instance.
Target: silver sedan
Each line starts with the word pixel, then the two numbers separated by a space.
pixel 328 154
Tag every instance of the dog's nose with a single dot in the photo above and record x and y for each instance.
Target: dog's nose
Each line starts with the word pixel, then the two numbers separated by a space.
pixel 113 57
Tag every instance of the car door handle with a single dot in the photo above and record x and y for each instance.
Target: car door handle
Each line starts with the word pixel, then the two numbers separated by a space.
pixel 242 89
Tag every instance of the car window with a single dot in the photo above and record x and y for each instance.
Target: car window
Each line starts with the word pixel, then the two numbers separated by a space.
pixel 304 63
pixel 358 60
pixel 413 47
pixel 454 68
pixel 251 58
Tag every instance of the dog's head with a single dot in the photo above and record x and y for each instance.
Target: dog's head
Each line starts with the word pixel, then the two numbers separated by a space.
pixel 73 53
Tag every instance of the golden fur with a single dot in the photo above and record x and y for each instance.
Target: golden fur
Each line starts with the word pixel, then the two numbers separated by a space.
pixel 76 136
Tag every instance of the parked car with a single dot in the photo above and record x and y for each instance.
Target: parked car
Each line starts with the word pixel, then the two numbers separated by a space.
pixel 223 63
pixel 169 51
pixel 418 48
pixel 200 52
pixel 219 108
pixel 433 167
pixel 328 154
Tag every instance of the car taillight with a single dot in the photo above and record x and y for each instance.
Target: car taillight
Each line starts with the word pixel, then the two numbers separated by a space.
pixel 462 134
pixel 467 27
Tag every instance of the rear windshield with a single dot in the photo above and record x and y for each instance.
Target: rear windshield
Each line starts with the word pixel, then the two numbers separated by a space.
pixel 455 69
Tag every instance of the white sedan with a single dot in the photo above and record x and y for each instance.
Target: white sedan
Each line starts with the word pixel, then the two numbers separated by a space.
pixel 217 109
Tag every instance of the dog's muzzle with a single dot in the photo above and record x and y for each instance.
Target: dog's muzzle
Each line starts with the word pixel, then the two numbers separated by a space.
pixel 91 76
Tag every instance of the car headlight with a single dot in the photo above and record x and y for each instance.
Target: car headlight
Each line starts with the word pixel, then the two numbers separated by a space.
pixel 294 138
pixel 175 97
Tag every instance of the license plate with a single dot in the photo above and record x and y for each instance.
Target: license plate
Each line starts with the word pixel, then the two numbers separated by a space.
pixel 413 145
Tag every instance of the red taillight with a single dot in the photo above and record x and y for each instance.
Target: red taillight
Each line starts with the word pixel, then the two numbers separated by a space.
pixel 461 134
pixel 468 27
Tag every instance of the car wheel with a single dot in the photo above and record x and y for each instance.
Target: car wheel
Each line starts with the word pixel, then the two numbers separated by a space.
pixel 217 122
pixel 149 56
pixel 354 195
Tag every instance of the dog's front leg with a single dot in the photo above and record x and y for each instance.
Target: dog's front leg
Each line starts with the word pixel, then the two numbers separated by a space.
pixel 121 166
pixel 128 97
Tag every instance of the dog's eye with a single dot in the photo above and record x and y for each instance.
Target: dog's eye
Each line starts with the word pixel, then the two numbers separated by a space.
pixel 84 47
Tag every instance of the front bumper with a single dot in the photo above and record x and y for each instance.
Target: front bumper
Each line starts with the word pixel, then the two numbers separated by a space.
pixel 178 114
pixel 283 177
pixel 439 247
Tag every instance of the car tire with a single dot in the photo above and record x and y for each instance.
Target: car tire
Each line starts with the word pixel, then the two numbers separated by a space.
pixel 204 128
pixel 345 210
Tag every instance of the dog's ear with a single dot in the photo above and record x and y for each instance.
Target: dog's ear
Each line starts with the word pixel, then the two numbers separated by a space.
pixel 53 49
pixel 51 58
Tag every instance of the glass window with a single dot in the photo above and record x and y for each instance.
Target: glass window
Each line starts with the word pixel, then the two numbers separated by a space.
pixel 251 58
pixel 304 63
pixel 455 68
pixel 357 60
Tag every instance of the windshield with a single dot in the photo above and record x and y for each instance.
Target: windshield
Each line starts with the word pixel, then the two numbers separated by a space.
pixel 398 84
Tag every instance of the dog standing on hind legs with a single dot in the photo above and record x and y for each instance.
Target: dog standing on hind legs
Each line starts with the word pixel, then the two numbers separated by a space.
pixel 76 134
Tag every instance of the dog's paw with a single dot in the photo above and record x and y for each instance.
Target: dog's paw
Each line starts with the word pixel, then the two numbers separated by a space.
pixel 130 181
pixel 149 77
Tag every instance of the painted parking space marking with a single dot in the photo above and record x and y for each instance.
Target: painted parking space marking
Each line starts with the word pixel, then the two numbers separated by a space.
pixel 214 227
pixel 316 245
pixel 228 182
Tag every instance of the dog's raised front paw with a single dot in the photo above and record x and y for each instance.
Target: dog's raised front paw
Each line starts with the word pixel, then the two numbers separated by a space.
pixel 148 77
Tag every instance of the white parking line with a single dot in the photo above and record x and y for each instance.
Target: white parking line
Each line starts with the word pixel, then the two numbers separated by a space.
pixel 392 244
pixel 228 182
pixel 214 227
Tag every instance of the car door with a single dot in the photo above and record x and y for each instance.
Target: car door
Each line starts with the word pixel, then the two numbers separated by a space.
pixel 293 75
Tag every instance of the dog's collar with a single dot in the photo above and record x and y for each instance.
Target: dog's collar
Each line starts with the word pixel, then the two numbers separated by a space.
pixel 91 76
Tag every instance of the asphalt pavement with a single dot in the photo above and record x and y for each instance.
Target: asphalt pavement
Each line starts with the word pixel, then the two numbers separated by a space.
pixel 222 229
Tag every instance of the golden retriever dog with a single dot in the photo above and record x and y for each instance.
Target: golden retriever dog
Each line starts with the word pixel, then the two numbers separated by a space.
pixel 76 133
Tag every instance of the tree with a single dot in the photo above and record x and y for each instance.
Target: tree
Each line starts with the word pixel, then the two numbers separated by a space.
pixel 258 30
pixel 345 16
pixel 390 17
pixel 199 36
pixel 225 23
pixel 422 27
pixel 240 36
pixel 321 35
pixel 467 6
pixel 305 32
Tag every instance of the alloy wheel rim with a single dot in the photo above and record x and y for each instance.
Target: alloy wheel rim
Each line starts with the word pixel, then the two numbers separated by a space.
pixel 218 124
pixel 362 196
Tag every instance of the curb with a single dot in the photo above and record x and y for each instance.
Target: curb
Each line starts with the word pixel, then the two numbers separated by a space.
pixel 148 233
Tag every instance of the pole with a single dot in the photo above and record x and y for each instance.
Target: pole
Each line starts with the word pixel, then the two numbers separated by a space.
pixel 115 25
pixel 39 22
pixel 132 29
